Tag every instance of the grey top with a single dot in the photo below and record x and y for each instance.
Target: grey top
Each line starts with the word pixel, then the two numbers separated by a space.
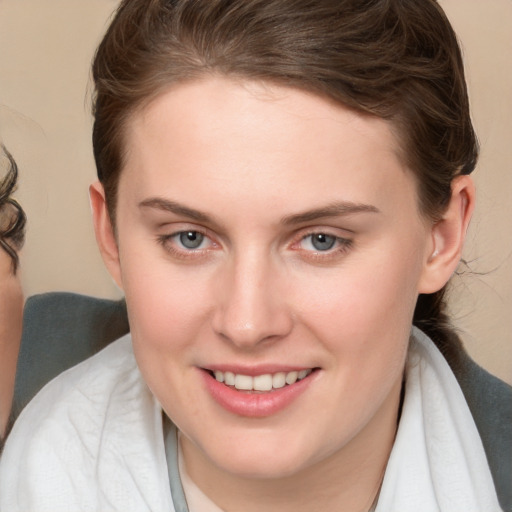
pixel 171 454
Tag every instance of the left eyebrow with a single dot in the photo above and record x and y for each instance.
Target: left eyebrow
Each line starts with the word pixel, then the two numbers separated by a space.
pixel 336 209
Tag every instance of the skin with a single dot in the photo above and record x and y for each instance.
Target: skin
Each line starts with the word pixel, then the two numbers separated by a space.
pixel 11 311
pixel 246 160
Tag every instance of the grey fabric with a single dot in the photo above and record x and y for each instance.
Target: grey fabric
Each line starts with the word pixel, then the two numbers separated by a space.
pixel 171 454
pixel 490 402
pixel 60 330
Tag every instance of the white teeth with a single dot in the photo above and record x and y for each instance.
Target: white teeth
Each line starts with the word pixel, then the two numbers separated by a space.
pixel 243 382
pixel 291 378
pixel 262 382
pixel 265 382
pixel 302 374
pixel 279 380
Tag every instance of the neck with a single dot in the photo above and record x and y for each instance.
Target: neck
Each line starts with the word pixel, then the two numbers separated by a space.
pixel 348 480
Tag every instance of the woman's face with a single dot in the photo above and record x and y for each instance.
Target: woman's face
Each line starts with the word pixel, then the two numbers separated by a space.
pixel 267 235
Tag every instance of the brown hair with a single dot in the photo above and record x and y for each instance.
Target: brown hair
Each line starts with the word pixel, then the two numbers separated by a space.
pixel 12 216
pixel 395 59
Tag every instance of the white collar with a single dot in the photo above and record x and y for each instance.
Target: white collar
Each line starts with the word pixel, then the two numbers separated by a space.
pixel 438 461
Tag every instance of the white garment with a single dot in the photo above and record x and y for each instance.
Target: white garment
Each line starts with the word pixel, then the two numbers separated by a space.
pixel 92 440
pixel 438 462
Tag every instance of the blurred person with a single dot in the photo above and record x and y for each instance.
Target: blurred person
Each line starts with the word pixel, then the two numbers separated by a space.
pixel 12 232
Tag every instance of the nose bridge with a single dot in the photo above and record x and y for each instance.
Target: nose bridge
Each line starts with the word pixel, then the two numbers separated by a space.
pixel 251 308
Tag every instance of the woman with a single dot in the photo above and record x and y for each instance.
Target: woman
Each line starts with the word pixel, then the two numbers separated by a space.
pixel 283 193
pixel 12 229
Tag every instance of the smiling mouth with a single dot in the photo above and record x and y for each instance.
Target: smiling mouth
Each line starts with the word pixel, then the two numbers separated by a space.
pixel 267 382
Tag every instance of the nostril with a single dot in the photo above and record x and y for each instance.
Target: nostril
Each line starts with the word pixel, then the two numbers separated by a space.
pixel 264 327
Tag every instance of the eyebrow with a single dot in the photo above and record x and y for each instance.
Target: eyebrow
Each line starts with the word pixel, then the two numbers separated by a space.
pixel 176 208
pixel 335 209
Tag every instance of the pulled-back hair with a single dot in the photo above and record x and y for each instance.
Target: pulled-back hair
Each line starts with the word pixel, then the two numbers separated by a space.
pixel 12 216
pixel 395 59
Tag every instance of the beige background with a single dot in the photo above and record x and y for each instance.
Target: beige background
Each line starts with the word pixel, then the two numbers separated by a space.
pixel 45 51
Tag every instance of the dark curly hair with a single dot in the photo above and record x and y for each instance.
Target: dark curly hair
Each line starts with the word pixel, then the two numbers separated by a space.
pixel 12 216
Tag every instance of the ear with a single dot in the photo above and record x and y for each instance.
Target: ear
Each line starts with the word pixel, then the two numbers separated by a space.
pixel 447 237
pixel 104 232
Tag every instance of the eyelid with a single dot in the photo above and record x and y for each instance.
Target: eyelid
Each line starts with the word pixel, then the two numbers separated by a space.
pixel 170 229
pixel 338 233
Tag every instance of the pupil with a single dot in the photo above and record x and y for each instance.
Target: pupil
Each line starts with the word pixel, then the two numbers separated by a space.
pixel 323 242
pixel 191 239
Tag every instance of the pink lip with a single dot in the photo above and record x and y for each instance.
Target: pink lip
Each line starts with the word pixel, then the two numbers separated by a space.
pixel 254 405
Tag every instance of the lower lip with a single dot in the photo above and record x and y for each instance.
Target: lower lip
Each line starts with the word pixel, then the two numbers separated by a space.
pixel 255 405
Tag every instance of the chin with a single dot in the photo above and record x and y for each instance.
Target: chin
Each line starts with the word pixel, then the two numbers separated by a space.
pixel 258 458
pixel 259 469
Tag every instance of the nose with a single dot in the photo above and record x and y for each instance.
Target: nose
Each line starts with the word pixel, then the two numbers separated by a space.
pixel 251 303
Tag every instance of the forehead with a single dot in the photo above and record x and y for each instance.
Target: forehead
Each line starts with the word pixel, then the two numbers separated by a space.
pixel 254 140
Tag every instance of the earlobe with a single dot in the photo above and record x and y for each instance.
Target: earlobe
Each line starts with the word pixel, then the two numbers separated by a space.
pixel 104 232
pixel 447 237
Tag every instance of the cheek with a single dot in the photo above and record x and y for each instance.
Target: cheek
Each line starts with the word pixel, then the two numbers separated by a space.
pixel 166 320
pixel 167 306
pixel 160 310
pixel 364 311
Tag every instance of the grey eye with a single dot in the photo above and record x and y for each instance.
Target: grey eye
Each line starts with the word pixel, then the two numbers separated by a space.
pixel 322 242
pixel 191 239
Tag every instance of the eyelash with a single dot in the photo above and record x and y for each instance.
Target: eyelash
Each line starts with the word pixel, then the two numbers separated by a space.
pixel 341 245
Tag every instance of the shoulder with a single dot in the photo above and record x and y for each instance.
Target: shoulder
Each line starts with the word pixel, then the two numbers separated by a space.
pixel 490 402
pixel 89 384
pixel 60 330
pixel 82 439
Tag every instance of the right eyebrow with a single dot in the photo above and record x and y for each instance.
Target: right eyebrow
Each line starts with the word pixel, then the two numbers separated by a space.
pixel 166 205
